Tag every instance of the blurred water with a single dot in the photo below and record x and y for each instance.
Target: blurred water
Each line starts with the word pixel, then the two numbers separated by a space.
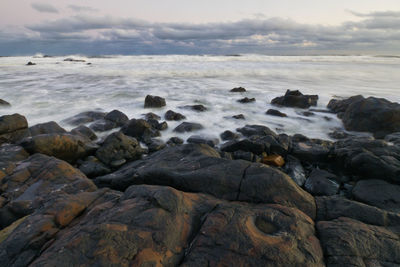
pixel 55 89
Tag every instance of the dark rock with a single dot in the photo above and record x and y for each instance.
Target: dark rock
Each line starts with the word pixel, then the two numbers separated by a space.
pixel 197 139
pixel 338 134
pixel 238 90
pixel 244 155
pixel 74 60
pixel 310 150
pixel 140 129
pixel 307 113
pixel 9 156
pixel 117 147
pixel 92 167
pixel 259 130
pixel 199 108
pixel 173 116
pixel 157 125
pixel 162 126
pixel 4 103
pixel 102 125
pixel 246 100
pixel 117 117
pixel 393 138
pixel 154 102
pixel 13 128
pixel 244 145
pixel 155 145
pixel 295 99
pixel 229 135
pixel 173 141
pixel 321 183
pixel 85 132
pixel 295 170
pixel 188 127
pixel 274 112
pixel 199 168
pixel 30 63
pixel 239 117
pixel 340 106
pixel 46 128
pixel 85 117
pixel 152 116
pixel 63 146
pixel 378 193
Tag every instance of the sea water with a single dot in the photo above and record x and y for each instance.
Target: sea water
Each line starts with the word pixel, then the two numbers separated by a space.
pixel 54 89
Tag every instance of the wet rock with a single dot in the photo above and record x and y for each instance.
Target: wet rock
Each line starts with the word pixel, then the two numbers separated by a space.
pixel 340 106
pixel 85 117
pixel 393 138
pixel 152 116
pixel 244 145
pixel 140 129
pixel 246 100
pixel 102 125
pixel 238 90
pixel 321 183
pixel 258 144
pixel 378 193
pixel 338 134
pixel 118 147
pixel 62 146
pixel 197 139
pixel 295 170
pixel 9 156
pixel 85 132
pixel 156 125
pixel 199 108
pixel 199 168
pixel 13 128
pixel 173 116
pixel 239 117
pixel 244 155
pixel 4 103
pixel 229 135
pixel 74 60
pixel 188 127
pixel 30 63
pixel 117 117
pixel 295 99
pixel 274 112
pixel 273 160
pixel 173 141
pixel 93 167
pixel 259 130
pixel 156 145
pixel 154 102
pixel 307 113
pixel 46 128
pixel 310 150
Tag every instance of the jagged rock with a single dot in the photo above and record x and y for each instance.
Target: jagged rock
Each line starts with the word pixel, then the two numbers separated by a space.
pixel 93 167
pixel 4 103
pixel 157 125
pixel 117 117
pixel 197 139
pixel 154 102
pixel 188 127
pixel 274 112
pixel 238 90
pixel 321 182
pixel 85 117
pixel 13 128
pixel 85 132
pixel 295 99
pixel 199 108
pixel 295 170
pixel 46 128
pixel 140 129
pixel 173 116
pixel 229 135
pixel 246 100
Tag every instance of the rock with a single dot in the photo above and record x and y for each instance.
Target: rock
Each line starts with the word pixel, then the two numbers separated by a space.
pixel 229 135
pixel 273 160
pixel 9 156
pixel 199 168
pixel 244 145
pixel 259 130
pixel 295 170
pixel 393 138
pixel 258 144
pixel 93 167
pixel 4 103
pixel 274 112
pixel 157 125
pixel 117 147
pixel 13 128
pixel 246 100
pixel 155 145
pixel 188 127
pixel 321 183
pixel 62 146
pixel 378 193
pixel 348 242
pixel 197 139
pixel 30 63
pixel 117 117
pixel 376 115
pixel 239 117
pixel 340 106
pixel 151 115
pixel 199 108
pixel 173 116
pixel 310 150
pixel 238 90
pixel 307 113
pixel 154 102
pixel 295 99
pixel 338 134
pixel 46 128
pixel 367 158
pixel 140 129
pixel 85 132
pixel 102 125
pixel 244 155
pixel 173 141
pixel 74 60
pixel 85 117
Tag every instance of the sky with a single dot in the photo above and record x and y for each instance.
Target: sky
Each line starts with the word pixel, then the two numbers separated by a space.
pixel 284 27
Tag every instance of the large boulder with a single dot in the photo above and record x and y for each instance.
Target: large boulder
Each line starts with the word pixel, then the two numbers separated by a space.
pixel 50 127
pixel 154 102
pixel 84 131
pixel 199 168
pixel 139 129
pixel 13 128
pixel 340 106
pixel 117 117
pixel 295 99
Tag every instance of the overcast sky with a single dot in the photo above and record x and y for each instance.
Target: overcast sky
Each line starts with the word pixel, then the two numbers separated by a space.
pixel 199 27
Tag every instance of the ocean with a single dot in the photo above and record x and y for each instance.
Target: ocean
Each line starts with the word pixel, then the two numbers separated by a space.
pixel 54 90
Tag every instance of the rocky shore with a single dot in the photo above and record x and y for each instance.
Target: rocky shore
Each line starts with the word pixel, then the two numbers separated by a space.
pixel 258 198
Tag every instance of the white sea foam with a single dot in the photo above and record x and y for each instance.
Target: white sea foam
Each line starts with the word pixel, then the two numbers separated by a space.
pixel 55 89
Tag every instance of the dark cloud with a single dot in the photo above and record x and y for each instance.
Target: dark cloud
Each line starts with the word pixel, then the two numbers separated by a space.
pixel 377 31
pixel 44 8
pixel 77 8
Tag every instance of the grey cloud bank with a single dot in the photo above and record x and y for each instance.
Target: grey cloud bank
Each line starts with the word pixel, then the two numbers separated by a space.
pixel 44 8
pixel 377 32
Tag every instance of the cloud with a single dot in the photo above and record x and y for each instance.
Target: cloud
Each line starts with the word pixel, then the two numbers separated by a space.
pixel 77 8
pixel 44 8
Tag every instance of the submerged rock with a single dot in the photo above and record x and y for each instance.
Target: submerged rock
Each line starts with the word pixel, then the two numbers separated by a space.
pixel 85 117
pixel 239 117
pixel 188 127
pixel 295 99
pixel 274 112
pixel 238 90
pixel 173 116
pixel 246 100
pixel 199 108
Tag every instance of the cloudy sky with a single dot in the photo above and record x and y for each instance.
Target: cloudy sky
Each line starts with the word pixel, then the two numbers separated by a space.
pixel 199 27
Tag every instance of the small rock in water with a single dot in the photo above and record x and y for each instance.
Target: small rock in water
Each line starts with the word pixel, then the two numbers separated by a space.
pixel 273 160
pixel 151 115
pixel 154 102
pixel 295 99
pixel 246 100
pixel 188 127
pixel 173 116
pixel 74 60
pixel 229 135
pixel 30 63
pixel 274 112
pixel 4 103
pixel 307 113
pixel 173 141
pixel 197 139
pixel 239 117
pixel 199 108
pixel 238 90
